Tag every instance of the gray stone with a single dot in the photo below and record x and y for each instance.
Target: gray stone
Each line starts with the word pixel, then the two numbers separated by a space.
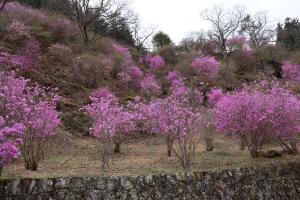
pixel 271 182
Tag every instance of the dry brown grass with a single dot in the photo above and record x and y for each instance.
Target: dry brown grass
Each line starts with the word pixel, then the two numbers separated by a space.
pixel 70 156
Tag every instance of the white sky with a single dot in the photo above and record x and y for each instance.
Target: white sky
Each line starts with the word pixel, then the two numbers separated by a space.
pixel 179 17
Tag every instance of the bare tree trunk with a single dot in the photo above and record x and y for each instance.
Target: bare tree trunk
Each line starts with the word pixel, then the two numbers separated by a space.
pixel 169 142
pixel 242 144
pixel 209 144
pixel 33 152
pixel 117 142
pixel 105 153
pixel 254 153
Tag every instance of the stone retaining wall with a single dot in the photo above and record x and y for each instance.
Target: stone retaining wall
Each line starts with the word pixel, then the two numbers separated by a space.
pixel 272 182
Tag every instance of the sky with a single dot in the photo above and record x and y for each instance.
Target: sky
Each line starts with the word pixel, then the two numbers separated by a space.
pixel 179 17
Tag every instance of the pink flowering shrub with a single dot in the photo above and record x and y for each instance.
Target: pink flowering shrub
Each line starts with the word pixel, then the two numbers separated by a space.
pixel 258 113
pixel 175 120
pixel 124 52
pixel 154 62
pixel 135 73
pixel 290 70
pixel 9 59
pixel 111 119
pixel 101 93
pixel 207 67
pixel 214 96
pixel 17 31
pixel 31 55
pixel 32 109
pixel 173 75
pixel 26 60
pixel 150 86
pixel 179 89
pixel 10 140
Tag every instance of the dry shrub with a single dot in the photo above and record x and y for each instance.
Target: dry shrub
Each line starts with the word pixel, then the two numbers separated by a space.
pixel 169 54
pixel 90 70
pixel 60 54
pixel 103 45
pixel 185 149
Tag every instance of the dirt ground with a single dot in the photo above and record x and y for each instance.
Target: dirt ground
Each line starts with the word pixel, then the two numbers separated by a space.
pixel 140 155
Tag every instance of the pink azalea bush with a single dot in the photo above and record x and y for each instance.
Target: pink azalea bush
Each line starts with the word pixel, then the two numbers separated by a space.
pixel 258 113
pixel 18 31
pixel 214 96
pixel 150 86
pixel 26 60
pixel 129 72
pixel 124 52
pixel 291 70
pixel 175 120
pixel 10 140
pixel 135 73
pixel 30 109
pixel 179 89
pixel 154 62
pixel 31 55
pixel 111 119
pixel 206 66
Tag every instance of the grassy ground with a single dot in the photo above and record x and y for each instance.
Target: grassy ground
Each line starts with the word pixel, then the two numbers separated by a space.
pixel 140 155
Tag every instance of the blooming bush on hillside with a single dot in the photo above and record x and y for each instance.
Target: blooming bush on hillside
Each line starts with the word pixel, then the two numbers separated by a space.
pixel 135 72
pixel 214 96
pixel 124 52
pixel 150 86
pixel 18 31
pixel 207 67
pixel 155 62
pixel 26 60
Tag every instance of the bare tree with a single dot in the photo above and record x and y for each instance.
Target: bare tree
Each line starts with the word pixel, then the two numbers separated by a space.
pixel 259 31
pixel 225 23
pixel 194 41
pixel 88 13
pixel 142 34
